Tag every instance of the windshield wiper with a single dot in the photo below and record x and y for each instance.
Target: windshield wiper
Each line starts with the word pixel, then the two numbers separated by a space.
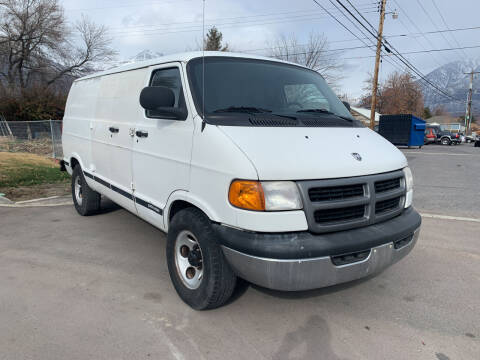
pixel 243 109
pixel 316 111
pixel 324 111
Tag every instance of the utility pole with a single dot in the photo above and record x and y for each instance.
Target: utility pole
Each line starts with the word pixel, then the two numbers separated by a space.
pixel 377 64
pixel 468 113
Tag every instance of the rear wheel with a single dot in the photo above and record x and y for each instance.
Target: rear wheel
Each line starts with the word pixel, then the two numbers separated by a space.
pixel 86 200
pixel 198 269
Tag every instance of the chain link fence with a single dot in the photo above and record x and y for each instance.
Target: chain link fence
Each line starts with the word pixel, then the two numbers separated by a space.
pixel 42 137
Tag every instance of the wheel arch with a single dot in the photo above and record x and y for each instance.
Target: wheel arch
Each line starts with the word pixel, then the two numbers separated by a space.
pixel 74 160
pixel 180 200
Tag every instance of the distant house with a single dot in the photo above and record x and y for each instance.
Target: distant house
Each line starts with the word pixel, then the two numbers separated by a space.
pixel 363 115
pixel 447 122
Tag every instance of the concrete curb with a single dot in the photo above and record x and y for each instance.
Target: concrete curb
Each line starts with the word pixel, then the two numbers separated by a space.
pixel 41 202
pixel 5 201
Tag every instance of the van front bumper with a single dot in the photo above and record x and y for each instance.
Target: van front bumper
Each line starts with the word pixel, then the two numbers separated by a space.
pixel 302 260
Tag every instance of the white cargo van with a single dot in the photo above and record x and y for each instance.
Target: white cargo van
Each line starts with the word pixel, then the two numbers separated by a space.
pixel 252 166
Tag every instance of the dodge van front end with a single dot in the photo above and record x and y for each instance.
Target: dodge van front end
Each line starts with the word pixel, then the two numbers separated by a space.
pixel 357 226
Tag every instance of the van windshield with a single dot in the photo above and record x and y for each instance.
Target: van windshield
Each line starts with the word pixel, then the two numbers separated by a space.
pixel 236 86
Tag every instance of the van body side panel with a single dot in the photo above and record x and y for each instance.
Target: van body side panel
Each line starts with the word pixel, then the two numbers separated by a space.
pixel 116 113
pixel 78 123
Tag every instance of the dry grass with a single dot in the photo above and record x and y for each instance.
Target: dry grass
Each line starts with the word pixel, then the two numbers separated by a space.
pixel 41 146
pixel 21 171
pixel 9 160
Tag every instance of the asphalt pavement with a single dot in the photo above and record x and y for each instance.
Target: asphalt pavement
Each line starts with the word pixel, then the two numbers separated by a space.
pixel 447 179
pixel 97 287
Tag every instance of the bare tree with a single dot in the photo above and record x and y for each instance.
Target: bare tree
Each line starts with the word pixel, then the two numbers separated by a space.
pixel 314 55
pixel 38 48
pixel 94 49
pixel 399 94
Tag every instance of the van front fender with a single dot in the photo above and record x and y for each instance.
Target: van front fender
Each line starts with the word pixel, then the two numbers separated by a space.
pixel 183 195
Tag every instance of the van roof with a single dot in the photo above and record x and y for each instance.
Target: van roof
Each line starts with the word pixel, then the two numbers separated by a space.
pixel 179 57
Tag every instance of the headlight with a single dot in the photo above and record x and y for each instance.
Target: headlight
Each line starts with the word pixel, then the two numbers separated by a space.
pixel 264 196
pixel 409 186
pixel 281 195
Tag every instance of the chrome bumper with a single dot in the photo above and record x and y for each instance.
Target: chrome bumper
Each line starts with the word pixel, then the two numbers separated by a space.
pixel 305 274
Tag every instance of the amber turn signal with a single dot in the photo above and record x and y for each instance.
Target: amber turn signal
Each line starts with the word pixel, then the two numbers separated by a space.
pixel 247 194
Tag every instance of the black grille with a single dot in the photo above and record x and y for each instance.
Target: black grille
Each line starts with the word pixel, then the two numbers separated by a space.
pixel 387 185
pixel 339 214
pixel 402 242
pixel 387 205
pixel 327 122
pixel 351 258
pixel 273 122
pixel 335 192
pixel 347 203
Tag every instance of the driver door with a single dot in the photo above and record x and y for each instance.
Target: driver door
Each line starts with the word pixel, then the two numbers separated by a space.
pixel 161 148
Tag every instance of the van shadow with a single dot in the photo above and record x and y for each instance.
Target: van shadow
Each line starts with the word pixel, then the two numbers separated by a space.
pixel 307 294
pixel 107 206
pixel 310 341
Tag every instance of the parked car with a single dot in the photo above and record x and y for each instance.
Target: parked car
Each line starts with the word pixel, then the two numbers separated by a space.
pixel 430 135
pixel 238 159
pixel 445 137
pixel 476 141
pixel 470 138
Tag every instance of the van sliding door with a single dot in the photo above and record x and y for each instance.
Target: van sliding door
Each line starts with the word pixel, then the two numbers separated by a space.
pixel 117 112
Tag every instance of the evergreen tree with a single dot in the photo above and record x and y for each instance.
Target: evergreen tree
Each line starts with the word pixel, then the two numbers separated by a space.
pixel 213 41
pixel 427 113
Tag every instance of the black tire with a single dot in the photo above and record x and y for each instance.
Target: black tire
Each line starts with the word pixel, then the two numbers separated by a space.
pixel 446 141
pixel 88 203
pixel 218 280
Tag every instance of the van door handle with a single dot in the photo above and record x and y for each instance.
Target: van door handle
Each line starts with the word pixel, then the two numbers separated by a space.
pixel 141 133
pixel 113 129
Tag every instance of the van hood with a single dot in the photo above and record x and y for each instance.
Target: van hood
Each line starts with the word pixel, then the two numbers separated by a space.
pixel 306 153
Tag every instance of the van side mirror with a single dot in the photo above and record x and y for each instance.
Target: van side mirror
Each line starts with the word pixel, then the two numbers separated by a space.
pixel 347 105
pixel 161 100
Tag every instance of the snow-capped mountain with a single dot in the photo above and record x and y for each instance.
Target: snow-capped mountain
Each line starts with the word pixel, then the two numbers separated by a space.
pixel 452 79
pixel 141 56
pixel 145 55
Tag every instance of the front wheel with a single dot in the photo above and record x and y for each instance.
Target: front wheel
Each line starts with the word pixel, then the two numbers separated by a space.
pixel 198 269
pixel 86 200
pixel 446 141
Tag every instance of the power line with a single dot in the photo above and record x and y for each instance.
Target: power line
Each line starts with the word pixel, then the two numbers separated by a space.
pixel 435 25
pixel 446 25
pixel 359 13
pixel 195 28
pixel 399 56
pixel 390 61
pixel 415 69
pixel 415 26
pixel 350 31
pixel 163 2
pixel 421 52
pixel 438 31
pixel 372 56
pixel 130 4
pixel 302 13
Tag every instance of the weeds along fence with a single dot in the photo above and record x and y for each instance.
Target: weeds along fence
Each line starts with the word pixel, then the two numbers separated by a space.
pixel 42 137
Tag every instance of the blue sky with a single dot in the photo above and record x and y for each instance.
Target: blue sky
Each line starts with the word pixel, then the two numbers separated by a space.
pixel 170 26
